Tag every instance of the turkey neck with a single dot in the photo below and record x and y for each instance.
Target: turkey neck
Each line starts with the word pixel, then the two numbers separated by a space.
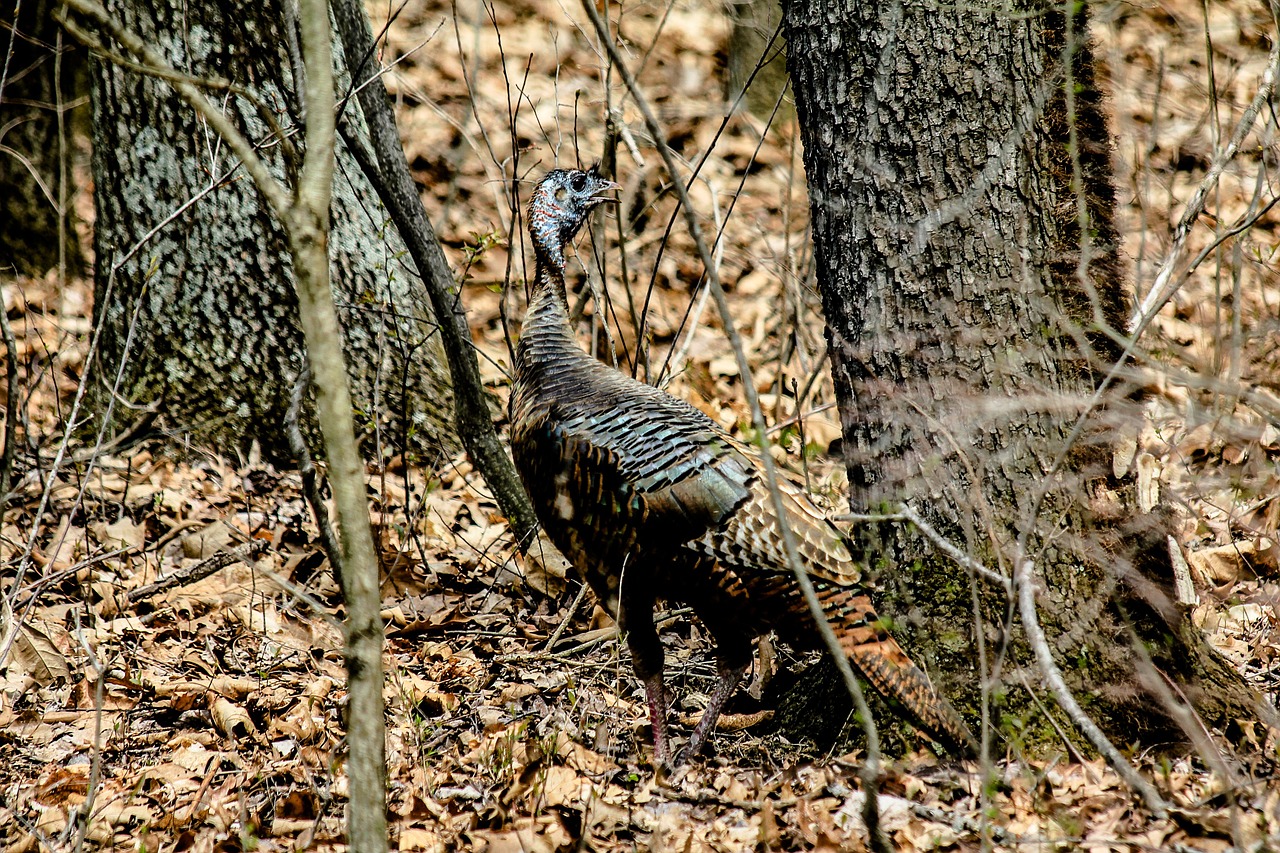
pixel 547 339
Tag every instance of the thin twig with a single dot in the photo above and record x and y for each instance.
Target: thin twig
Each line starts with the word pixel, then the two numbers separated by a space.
pixel 949 548
pixel 198 571
pixel 83 813
pixel 317 607
pixel 33 589
pixel 568 617
pixel 271 189
pixel 1160 292
pixel 394 184
pixel 173 77
pixel 10 406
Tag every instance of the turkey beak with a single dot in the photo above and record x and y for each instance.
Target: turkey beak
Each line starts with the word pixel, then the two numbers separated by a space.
pixel 605 186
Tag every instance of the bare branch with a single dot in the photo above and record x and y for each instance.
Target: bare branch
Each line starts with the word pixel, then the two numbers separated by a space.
pixel 197 571
pixel 315 184
pixel 1025 581
pixel 85 811
pixel 310 478
pixel 10 406
pixel 949 548
pixel 307 224
pixel 305 218
pixel 394 184
pixel 1160 292
pixel 173 77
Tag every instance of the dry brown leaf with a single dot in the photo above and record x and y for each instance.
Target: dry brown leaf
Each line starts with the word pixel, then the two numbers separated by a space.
pixel 167 772
pixel 1238 561
pixel 1123 450
pixel 560 786
pixel 584 760
pixel 543 834
pixel 1199 440
pixel 124 533
pixel 258 615
pixel 208 540
pixel 416 838
pixel 515 692
pixel 124 812
pixel 319 688
pixel 770 834
pixel 283 826
pixel 62 786
pixel 38 655
pixel 112 629
pixel 895 813
pixel 49 824
pixel 69 546
pixel 421 613
pixel 545 568
pixel 231 719
pixel 1246 616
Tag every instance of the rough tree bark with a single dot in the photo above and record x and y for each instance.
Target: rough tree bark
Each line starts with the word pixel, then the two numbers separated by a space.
pixel 960 186
pixel 33 154
pixel 201 321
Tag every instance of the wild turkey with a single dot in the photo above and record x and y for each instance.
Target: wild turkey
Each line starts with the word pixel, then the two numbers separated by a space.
pixel 649 498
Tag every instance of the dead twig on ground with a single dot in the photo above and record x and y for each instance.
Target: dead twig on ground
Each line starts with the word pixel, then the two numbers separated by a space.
pixel 197 571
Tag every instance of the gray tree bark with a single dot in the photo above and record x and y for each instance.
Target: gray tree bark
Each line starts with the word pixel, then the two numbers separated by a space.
pixel 960 187
pixel 34 154
pixel 200 318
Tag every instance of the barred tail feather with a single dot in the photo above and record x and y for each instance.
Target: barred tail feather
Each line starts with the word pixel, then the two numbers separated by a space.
pixel 882 662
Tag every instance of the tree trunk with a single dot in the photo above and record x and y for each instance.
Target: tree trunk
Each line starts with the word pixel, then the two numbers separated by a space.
pixel 200 320
pixel 34 155
pixel 953 154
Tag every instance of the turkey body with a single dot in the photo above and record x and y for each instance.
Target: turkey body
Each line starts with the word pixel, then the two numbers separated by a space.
pixel 650 499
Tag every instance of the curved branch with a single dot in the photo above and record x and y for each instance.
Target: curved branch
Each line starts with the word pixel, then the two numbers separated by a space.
pixel 395 187
pixel 1062 693
pixel 271 189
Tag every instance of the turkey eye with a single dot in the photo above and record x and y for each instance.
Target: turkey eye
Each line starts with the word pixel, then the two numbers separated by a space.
pixel 578 182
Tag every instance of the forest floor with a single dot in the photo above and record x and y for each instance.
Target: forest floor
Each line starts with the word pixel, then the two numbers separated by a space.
pixel 208 715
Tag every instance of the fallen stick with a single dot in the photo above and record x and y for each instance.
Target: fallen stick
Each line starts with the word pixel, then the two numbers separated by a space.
pixel 197 571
